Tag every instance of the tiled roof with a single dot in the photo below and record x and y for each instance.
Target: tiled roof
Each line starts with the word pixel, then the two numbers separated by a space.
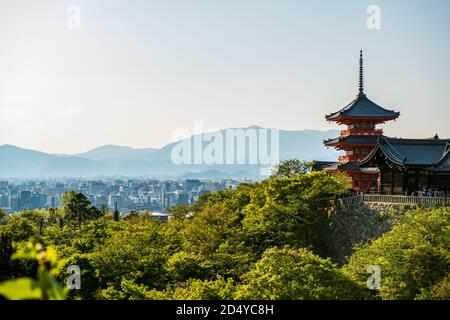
pixel 363 107
pixel 367 140
pixel 444 163
pixel 323 165
pixel 410 152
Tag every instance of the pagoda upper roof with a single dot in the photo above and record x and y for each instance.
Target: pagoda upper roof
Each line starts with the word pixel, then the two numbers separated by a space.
pixel 356 140
pixel 363 108
pixel 411 152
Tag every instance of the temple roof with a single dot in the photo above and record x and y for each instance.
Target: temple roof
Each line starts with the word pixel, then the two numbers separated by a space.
pixel 363 107
pixel 410 152
pixel 364 140
pixel 444 163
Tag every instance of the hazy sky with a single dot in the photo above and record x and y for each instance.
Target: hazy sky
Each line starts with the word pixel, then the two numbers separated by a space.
pixel 138 70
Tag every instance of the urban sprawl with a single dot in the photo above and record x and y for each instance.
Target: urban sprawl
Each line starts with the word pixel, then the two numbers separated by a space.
pixel 124 195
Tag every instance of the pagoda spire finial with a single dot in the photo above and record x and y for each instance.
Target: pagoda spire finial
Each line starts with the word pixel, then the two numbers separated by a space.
pixel 361 74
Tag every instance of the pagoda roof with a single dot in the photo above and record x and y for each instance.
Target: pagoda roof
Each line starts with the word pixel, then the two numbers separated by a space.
pixel 410 152
pixel 353 166
pixel 335 166
pixel 323 165
pixel 362 107
pixel 356 140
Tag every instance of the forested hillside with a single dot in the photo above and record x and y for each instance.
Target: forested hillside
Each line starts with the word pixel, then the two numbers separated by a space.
pixel 267 240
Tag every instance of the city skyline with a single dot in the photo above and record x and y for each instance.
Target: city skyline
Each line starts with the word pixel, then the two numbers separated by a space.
pixel 133 74
pixel 124 195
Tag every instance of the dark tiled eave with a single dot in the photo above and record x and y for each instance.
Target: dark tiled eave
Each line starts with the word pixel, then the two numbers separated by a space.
pixel 353 140
pixel 363 108
pixel 444 164
pixel 410 152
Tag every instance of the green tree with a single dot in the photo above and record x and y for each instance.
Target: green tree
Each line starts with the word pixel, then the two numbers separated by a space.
pixel 291 167
pixel 414 256
pixel 135 250
pixel 77 207
pixel 296 274
pixel 180 211
pixel 441 290
pixel 3 215
pixel 194 289
pixel 183 266
pixel 20 228
pixel 292 211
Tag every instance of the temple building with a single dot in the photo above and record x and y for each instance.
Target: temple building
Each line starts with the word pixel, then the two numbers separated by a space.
pixel 361 116
pixel 408 165
pixel 377 163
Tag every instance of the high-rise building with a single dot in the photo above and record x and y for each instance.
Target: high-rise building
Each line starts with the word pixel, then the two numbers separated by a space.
pixel 38 200
pixel 3 201
pixel 183 198
pixel 52 202
pixel 25 201
pixel 190 184
pixel 114 200
pixel 13 203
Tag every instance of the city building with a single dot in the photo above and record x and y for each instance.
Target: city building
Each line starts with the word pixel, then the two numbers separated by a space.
pixel 129 195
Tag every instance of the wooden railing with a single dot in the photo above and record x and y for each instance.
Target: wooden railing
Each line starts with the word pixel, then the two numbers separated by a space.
pixel 394 199
pixel 348 201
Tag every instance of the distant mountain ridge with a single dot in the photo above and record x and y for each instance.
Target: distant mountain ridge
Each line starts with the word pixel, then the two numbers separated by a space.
pixel 110 151
pixel 111 160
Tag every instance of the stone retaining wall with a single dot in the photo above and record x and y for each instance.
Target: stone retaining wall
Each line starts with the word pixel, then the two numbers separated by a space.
pixel 360 223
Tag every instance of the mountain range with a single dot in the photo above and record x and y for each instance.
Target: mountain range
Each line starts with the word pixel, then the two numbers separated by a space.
pixel 112 160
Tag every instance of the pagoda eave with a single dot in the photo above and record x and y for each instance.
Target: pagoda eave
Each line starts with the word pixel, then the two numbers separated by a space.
pixel 352 171
pixel 352 141
pixel 348 146
pixel 340 119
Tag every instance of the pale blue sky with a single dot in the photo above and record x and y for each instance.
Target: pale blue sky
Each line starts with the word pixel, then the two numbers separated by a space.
pixel 138 70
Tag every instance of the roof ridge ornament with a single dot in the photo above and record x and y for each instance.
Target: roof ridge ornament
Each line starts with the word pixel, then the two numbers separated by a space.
pixel 361 75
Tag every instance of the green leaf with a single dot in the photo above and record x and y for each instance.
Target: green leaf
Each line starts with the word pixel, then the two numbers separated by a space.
pixel 20 289
pixel 52 289
pixel 51 255
pixel 27 252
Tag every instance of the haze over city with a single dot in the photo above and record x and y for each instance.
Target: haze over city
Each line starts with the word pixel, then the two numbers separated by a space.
pixel 135 72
